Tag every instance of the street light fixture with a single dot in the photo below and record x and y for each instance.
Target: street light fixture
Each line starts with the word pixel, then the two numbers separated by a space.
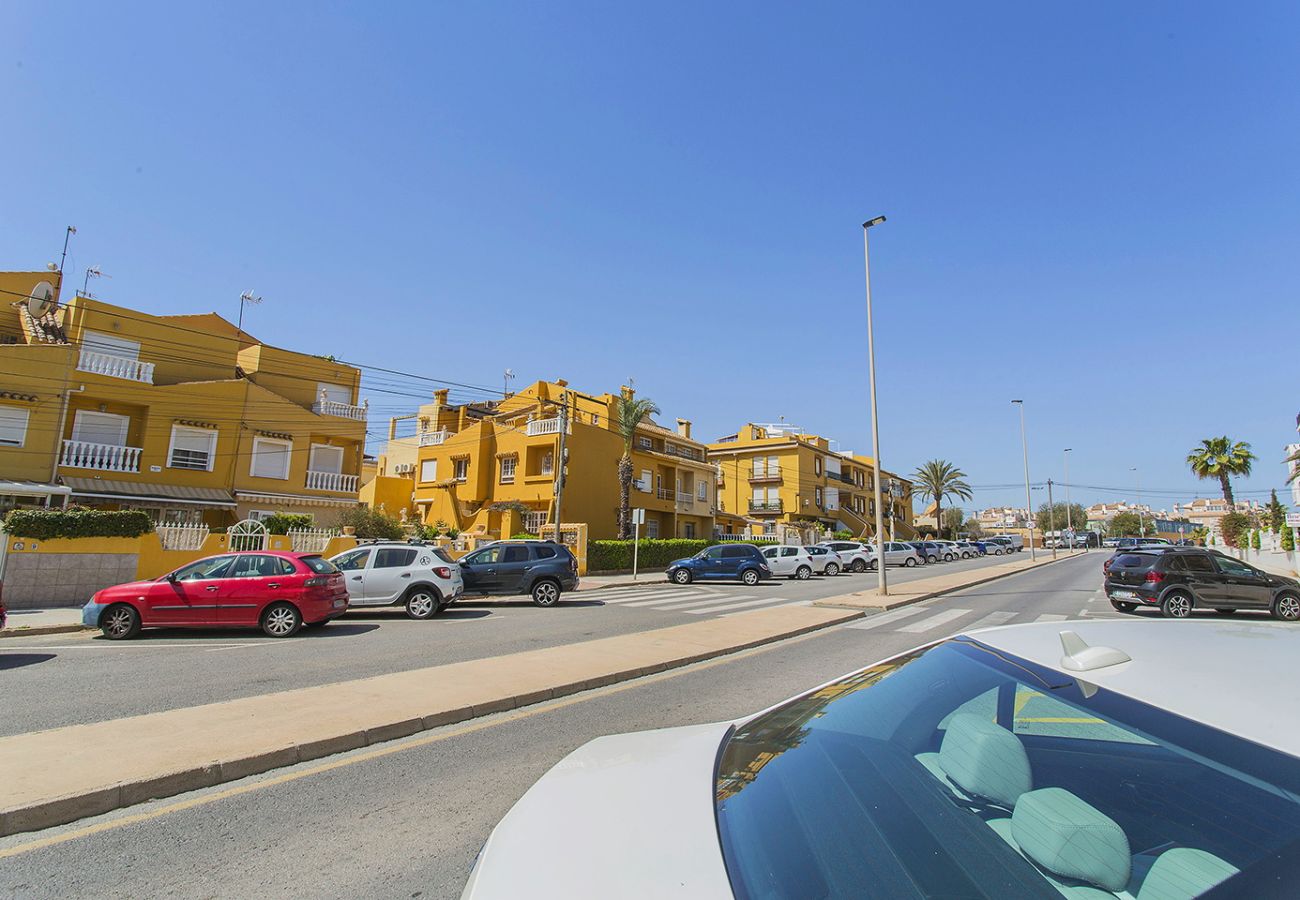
pixel 1029 501
pixel 881 586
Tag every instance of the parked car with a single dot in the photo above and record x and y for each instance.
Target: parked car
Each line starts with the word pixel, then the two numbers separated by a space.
pixel 825 560
pixel 792 562
pixel 543 569
pixel 1110 542
pixel 980 547
pixel 970 549
pixel 732 561
pixel 927 550
pixel 898 553
pixel 3 616
pixel 1125 543
pixel 1016 762
pixel 854 555
pixel 420 577
pixel 1008 542
pixel 1177 580
pixel 278 592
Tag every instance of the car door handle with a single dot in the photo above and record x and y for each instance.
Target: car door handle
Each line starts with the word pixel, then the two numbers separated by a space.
pixel 356 577
pixel 406 574
pixel 274 584
pixel 211 587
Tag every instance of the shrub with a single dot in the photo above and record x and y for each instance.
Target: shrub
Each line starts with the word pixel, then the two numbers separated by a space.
pixel 1254 540
pixel 842 535
pixel 370 523
pixel 453 533
pixel 1288 539
pixel 523 536
pixel 283 523
pixel 1233 526
pixel 77 521
pixel 608 556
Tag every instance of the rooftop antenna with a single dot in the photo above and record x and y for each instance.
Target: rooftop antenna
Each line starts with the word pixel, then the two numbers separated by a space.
pixel 247 298
pixel 72 229
pixel 505 387
pixel 92 272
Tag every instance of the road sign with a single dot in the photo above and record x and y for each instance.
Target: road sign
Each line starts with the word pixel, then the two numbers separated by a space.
pixel 1293 520
pixel 638 517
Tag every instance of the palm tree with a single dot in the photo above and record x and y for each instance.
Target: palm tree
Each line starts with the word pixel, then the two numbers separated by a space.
pixel 629 414
pixel 1294 460
pixel 938 479
pixel 1220 458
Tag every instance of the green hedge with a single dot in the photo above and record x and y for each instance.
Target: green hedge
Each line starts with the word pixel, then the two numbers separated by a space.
pixel 652 553
pixel 283 523
pixel 76 521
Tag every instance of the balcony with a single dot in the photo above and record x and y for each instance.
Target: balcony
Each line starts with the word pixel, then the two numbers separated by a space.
pixel 104 457
pixel 433 438
pixel 685 497
pixel 771 473
pixel 124 367
pixel 331 481
pixel 542 426
pixel 339 409
pixel 765 506
pixel 666 494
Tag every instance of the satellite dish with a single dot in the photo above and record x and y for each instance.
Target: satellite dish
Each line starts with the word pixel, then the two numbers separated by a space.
pixel 40 302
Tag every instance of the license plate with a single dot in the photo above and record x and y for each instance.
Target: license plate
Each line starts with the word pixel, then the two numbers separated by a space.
pixel 1124 595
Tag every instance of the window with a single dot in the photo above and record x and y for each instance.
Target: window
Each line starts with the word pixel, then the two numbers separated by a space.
pixel 216 567
pixel 515 553
pixel 318 564
pixel 548 463
pixel 1198 563
pixel 770 552
pixel 644 483
pixel 1234 568
pixel 643 443
pixel 260 515
pixel 13 426
pixel 271 458
pixel 100 428
pixel 256 565
pixel 702 490
pixel 428 470
pixel 486 556
pixel 325 458
pixel 192 448
pixel 689 530
pixel 817 465
pixel 460 469
pixel 334 393
pixel 542 551
pixel 353 560
pixel 789 551
pixel 113 345
pixel 712 553
pixel 817 496
pixel 735 552
pixel 508 469
pixel 652 528
pixel 394 557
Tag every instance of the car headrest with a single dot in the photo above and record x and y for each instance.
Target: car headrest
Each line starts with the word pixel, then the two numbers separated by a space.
pixel 1183 873
pixel 1069 837
pixel 985 760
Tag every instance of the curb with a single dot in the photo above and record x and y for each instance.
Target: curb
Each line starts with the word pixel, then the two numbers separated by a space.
pixel 34 630
pixel 920 598
pixel 70 808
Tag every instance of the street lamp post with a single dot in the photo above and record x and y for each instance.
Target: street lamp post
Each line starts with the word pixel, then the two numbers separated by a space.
pixel 1069 525
pixel 1029 501
pixel 881 584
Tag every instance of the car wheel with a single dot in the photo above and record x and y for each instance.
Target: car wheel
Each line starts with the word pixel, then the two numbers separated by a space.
pixel 1122 606
pixel 421 604
pixel 1176 605
pixel 120 622
pixel 281 620
pixel 1225 612
pixel 803 573
pixel 910 562
pixel 546 593
pixel 947 557
pixel 859 566
pixel 832 569
pixel 749 576
pixel 873 565
pixel 931 559
pixel 1286 607
pixel 682 576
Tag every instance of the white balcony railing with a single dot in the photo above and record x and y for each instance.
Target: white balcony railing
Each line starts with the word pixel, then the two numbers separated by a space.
pixel 105 457
pixel 342 410
pixel 433 438
pixel 543 426
pixel 685 497
pixel 115 366
pixel 666 494
pixel 331 481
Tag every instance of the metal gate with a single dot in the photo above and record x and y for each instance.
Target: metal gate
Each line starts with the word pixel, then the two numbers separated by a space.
pixel 249 534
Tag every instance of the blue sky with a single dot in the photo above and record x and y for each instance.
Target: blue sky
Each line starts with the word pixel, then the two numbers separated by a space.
pixel 1091 207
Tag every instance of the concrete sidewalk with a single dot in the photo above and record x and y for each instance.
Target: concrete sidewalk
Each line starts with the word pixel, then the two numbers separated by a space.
pixel 29 622
pixel 908 592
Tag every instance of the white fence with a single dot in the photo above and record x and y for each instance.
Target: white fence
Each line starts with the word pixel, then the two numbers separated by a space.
pixel 105 457
pixel 325 407
pixel 331 481
pixel 115 366
pixel 311 540
pixel 543 426
pixel 750 538
pixel 182 537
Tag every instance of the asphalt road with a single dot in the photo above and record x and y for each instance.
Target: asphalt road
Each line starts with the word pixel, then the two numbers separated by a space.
pixel 405 819
pixel 66 679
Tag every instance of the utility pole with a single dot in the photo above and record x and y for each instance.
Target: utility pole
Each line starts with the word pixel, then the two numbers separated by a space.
pixel 881 586
pixel 1069 525
pixel 1029 501
pixel 1051 516
pixel 560 463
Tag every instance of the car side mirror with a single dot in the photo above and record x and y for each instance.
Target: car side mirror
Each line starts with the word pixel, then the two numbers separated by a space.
pixel 171 576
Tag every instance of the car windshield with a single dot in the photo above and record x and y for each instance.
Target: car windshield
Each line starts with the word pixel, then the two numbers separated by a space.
pixel 318 564
pixel 958 771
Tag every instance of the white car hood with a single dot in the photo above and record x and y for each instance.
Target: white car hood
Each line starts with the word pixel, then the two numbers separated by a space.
pixel 627 816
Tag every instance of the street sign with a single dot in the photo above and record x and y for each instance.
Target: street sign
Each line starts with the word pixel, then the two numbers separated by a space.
pixel 1293 520
pixel 638 517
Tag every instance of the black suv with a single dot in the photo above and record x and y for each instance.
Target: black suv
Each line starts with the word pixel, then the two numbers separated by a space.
pixel 1180 579
pixel 544 569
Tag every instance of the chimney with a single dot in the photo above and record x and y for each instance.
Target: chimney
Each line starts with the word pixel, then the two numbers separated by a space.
pixel 561 382
pixel 684 428
pixel 440 397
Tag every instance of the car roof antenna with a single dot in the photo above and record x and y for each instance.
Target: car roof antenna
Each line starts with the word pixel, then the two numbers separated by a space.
pixel 1079 657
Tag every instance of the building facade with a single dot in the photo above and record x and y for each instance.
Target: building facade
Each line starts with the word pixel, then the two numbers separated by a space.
pixel 777 475
pixel 184 416
pixel 490 468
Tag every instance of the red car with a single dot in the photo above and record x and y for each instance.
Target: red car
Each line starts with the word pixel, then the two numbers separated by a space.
pixel 277 592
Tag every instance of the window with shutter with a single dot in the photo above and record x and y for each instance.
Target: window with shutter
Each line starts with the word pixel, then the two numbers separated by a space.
pixel 100 428
pixel 111 344
pixel 13 426
pixel 192 448
pixel 271 458
pixel 429 470
pixel 325 458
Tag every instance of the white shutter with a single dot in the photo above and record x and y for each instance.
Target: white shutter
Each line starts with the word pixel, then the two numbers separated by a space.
pixel 645 482
pixel 13 426
pixel 429 470
pixel 100 428
pixel 832 498
pixel 192 448
pixel 270 459
pixel 334 392
pixel 326 459
pixel 97 342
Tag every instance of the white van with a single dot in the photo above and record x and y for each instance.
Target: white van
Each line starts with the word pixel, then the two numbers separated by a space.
pixel 1012 542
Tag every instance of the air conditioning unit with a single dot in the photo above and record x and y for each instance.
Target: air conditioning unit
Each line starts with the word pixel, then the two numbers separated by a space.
pixel 404 468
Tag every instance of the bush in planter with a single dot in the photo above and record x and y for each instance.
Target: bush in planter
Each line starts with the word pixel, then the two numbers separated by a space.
pixel 523 536
pixel 607 556
pixel 1254 540
pixel 283 523
pixel 77 521
pixel 842 535
pixel 370 523
pixel 1288 539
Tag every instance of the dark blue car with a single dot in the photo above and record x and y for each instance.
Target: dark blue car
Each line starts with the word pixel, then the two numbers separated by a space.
pixel 736 561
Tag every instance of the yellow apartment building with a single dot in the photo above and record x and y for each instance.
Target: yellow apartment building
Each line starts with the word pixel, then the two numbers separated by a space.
pixel 181 415
pixel 777 475
pixel 490 468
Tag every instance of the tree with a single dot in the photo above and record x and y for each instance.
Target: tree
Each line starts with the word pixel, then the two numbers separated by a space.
pixel 973 528
pixel 1221 458
pixel 953 518
pixel 1255 542
pixel 1288 539
pixel 1200 534
pixel 1129 524
pixel 1052 518
pixel 938 479
pixel 629 413
pixel 1274 517
pixel 1235 528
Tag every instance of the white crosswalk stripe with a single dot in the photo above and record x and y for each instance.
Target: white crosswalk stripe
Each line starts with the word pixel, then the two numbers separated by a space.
pixel 886 618
pixel 1051 617
pixel 766 601
pixel 673 597
pixel 634 596
pixel 934 621
pixel 993 618
pixel 787 603
pixel 713 599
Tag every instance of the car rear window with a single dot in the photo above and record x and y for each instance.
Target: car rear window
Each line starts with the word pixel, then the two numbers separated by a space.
pixel 1133 560
pixel 1196 562
pixel 394 557
pixel 735 552
pixel 318 564
pixel 543 552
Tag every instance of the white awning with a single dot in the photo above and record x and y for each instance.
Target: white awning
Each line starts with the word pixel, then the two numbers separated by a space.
pixel 299 499
pixel 33 489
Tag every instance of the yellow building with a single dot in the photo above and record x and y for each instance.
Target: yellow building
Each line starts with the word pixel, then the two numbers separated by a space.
pixel 778 475
pixel 490 468
pixel 183 416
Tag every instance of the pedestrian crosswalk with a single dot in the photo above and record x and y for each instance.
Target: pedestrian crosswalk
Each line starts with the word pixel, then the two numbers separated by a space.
pixel 692 600
pixel 923 618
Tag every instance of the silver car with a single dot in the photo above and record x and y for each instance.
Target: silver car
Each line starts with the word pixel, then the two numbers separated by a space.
pixel 854 556
pixel 825 560
pixel 898 554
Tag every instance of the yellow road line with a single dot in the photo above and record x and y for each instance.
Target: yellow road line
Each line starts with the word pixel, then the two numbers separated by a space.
pixel 551 706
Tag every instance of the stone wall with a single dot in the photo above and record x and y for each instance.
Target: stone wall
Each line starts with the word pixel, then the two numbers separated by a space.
pixel 39 580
